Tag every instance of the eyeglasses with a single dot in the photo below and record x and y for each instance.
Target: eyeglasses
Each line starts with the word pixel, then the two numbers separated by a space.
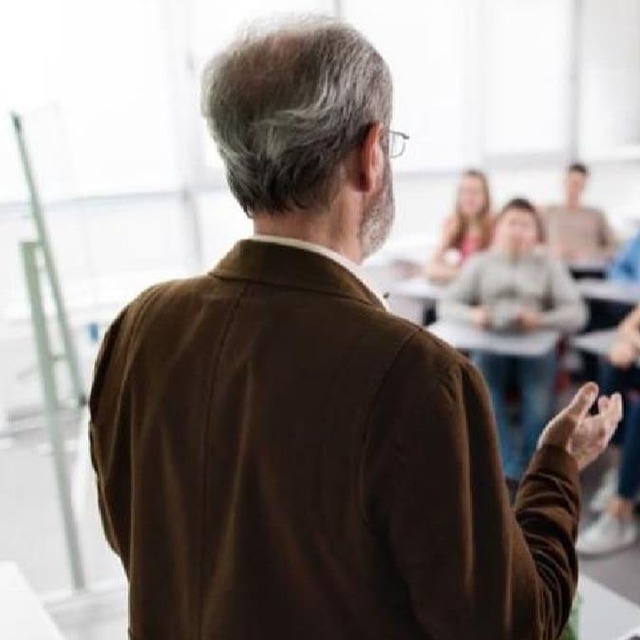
pixel 397 143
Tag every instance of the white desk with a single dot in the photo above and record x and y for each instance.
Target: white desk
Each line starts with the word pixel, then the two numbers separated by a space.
pixel 597 342
pixel 470 338
pixel 593 265
pixel 418 289
pixel 413 248
pixel 610 291
pixel 22 616
pixel 605 615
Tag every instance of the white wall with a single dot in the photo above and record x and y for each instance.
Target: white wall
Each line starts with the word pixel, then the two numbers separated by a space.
pixel 610 76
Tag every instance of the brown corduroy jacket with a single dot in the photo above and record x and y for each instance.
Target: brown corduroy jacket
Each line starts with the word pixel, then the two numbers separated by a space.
pixel 280 458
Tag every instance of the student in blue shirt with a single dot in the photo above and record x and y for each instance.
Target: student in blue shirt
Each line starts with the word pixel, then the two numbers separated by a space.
pixel 617 528
pixel 626 265
pixel 620 488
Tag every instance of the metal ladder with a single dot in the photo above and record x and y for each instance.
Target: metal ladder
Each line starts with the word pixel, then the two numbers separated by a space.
pixel 39 267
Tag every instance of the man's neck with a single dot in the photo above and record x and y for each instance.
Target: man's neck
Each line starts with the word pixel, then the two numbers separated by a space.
pixel 315 228
pixel 573 204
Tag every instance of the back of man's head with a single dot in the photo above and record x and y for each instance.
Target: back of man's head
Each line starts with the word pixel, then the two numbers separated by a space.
pixel 287 104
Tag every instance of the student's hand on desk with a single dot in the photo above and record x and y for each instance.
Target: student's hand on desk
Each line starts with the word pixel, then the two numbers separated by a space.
pixel 480 317
pixel 439 271
pixel 622 354
pixel 529 320
pixel 582 435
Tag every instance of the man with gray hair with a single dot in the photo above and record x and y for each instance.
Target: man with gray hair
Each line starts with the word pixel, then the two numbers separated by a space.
pixel 279 457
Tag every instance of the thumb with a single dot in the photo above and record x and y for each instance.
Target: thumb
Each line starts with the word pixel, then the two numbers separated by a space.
pixel 562 427
pixel 579 406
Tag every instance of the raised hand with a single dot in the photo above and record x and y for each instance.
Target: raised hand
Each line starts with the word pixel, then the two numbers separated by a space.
pixel 584 436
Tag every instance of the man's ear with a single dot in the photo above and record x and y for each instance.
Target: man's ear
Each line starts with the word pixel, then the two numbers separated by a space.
pixel 371 159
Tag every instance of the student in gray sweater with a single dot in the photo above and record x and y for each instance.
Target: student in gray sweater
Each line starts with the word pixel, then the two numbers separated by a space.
pixel 516 286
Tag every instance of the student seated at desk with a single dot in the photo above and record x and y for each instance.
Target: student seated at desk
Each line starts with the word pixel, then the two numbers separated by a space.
pixel 467 231
pixel 516 286
pixel 616 528
pixel 625 268
pixel 575 231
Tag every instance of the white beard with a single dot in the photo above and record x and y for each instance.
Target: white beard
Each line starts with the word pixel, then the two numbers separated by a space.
pixel 377 220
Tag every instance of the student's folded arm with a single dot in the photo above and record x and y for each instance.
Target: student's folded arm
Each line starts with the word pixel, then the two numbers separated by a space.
pixel 630 328
pixel 437 268
pixel 435 494
pixel 567 312
pixel 609 240
pixel 460 297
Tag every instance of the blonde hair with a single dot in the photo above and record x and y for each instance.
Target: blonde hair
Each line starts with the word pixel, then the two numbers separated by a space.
pixel 484 217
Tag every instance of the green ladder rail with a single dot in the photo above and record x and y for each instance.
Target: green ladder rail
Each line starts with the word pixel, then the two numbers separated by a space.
pixel 70 352
pixel 38 265
pixel 29 251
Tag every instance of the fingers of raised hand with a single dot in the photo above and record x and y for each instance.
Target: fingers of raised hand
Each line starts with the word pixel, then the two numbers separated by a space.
pixel 613 412
pixel 593 433
pixel 579 406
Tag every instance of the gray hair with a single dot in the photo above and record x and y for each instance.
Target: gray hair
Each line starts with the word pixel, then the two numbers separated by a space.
pixel 285 106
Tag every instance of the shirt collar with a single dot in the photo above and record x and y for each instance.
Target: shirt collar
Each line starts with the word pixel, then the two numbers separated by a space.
pixel 356 270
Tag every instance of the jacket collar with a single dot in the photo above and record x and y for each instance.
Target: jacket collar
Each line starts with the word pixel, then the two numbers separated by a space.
pixel 291 263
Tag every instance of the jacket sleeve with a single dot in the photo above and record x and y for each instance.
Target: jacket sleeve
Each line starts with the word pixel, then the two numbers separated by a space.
pixel 567 311
pixel 97 400
pixel 474 567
